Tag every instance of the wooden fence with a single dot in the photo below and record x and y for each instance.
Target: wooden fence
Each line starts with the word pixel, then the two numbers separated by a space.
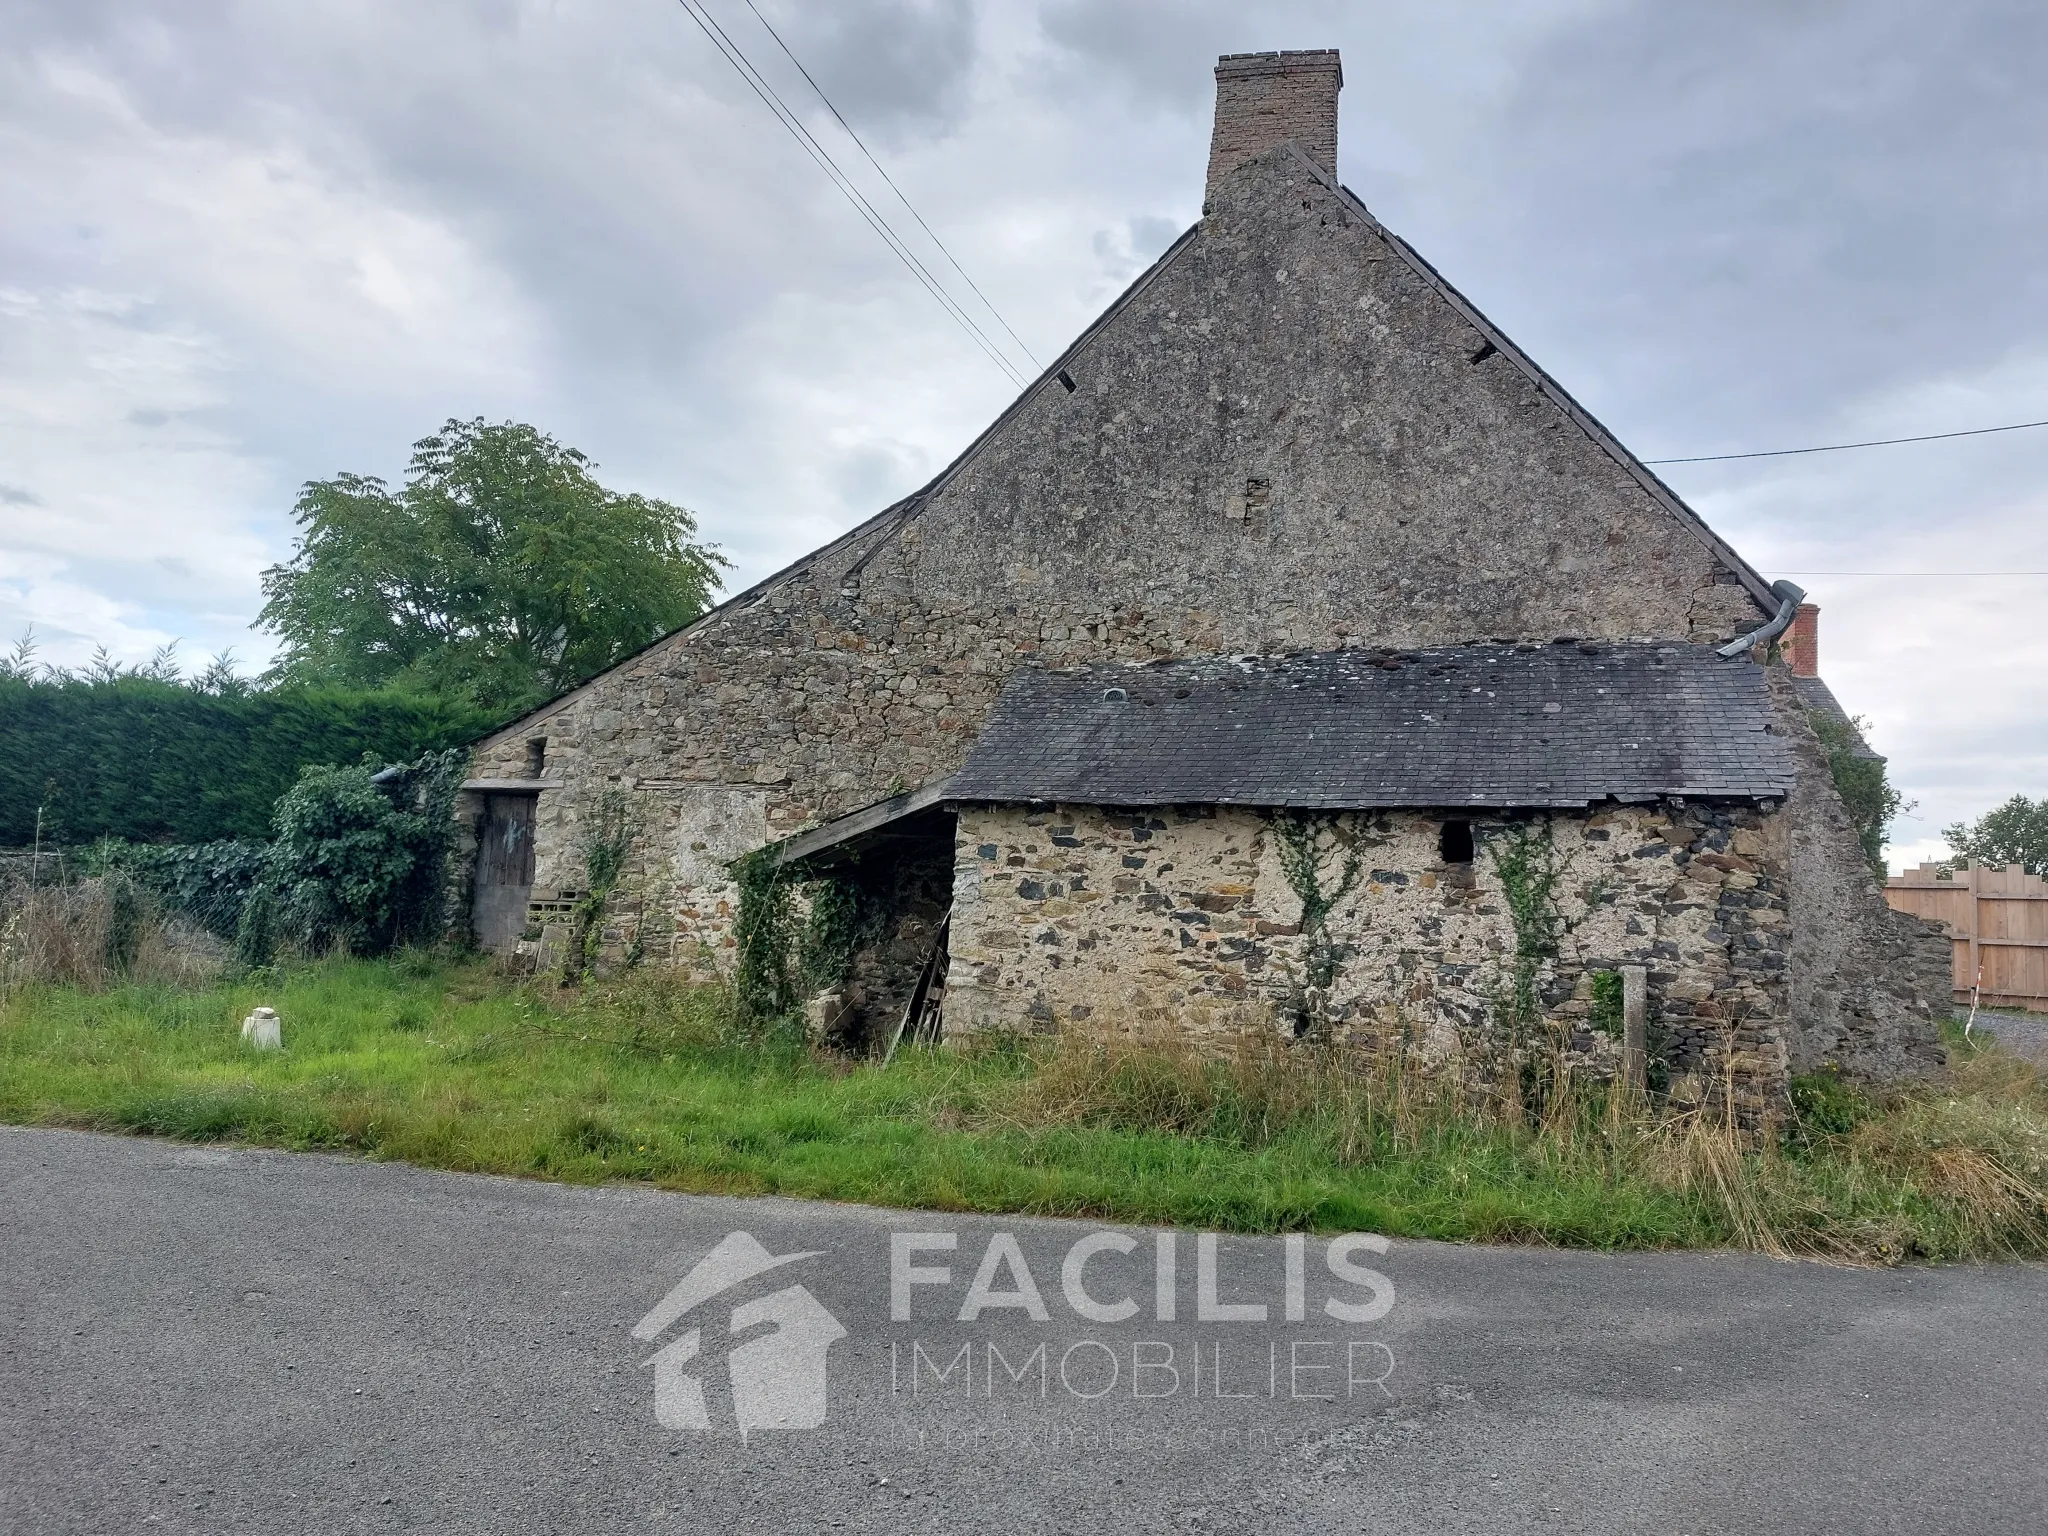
pixel 1998 920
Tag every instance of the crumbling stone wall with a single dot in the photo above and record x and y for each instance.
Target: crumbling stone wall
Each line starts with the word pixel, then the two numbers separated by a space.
pixel 1285 439
pixel 1181 921
pixel 1869 984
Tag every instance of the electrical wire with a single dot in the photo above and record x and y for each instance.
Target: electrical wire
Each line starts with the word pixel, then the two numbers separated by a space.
pixel 1880 442
pixel 736 57
pixel 857 139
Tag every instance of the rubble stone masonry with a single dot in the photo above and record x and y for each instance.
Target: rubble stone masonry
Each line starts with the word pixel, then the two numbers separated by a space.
pixel 1145 922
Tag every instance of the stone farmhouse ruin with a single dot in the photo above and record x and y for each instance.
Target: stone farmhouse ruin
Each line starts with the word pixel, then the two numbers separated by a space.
pixel 1295 655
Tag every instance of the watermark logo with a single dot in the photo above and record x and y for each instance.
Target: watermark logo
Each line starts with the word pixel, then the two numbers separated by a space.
pixel 973 1323
pixel 778 1377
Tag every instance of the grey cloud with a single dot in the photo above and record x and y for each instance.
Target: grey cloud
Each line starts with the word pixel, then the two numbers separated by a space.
pixel 893 67
pixel 15 496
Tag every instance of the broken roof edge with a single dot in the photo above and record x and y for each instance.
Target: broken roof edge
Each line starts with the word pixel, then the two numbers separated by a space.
pixel 1752 580
pixel 884 524
pixel 870 818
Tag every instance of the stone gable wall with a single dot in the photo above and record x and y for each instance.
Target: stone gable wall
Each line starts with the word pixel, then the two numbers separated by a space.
pixel 1181 921
pixel 1282 443
pixel 1869 984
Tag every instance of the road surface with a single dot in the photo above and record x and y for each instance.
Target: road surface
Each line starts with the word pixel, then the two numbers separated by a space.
pixel 208 1340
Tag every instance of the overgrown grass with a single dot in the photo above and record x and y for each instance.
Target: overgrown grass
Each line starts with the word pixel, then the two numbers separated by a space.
pixel 455 1067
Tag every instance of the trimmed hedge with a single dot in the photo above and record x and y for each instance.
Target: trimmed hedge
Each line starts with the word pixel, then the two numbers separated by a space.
pixel 155 762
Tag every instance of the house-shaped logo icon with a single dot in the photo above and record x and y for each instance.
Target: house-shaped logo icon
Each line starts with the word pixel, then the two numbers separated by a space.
pixel 778 1378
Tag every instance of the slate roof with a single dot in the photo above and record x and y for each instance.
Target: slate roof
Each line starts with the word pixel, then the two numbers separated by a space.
pixel 1818 696
pixel 1559 725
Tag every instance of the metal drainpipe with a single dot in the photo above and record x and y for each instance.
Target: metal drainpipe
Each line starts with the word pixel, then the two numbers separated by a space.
pixel 1790 595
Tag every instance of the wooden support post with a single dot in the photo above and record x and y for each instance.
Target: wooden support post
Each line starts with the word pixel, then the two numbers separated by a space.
pixel 1635 1027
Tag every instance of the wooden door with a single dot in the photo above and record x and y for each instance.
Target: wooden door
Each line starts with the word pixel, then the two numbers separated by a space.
pixel 504 869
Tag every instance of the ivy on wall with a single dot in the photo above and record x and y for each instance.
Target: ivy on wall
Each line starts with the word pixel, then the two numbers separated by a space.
pixel 1525 859
pixel 1321 866
pixel 358 860
pixel 605 838
pixel 1860 777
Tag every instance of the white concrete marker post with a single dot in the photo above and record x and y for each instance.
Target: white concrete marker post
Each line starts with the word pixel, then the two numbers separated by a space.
pixel 263 1030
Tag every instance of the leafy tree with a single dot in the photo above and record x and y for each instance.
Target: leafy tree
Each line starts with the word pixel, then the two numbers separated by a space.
pixel 2015 833
pixel 501 572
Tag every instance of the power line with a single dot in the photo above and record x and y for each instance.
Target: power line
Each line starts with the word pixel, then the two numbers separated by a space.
pixel 985 300
pixel 736 57
pixel 758 82
pixel 1880 442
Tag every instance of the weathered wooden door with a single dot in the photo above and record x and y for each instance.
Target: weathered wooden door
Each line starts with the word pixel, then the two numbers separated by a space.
pixel 504 870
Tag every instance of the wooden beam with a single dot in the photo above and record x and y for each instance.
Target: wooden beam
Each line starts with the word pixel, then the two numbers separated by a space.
pixel 871 818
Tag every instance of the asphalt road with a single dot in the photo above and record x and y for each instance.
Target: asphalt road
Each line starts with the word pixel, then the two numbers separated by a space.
pixel 202 1340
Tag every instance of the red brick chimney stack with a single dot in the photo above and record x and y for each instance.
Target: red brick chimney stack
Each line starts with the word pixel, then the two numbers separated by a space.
pixel 1265 99
pixel 1802 642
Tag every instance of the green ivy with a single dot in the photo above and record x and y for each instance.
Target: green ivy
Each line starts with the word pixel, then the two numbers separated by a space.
pixel 841 920
pixel 359 859
pixel 606 838
pixel 1607 1010
pixel 764 932
pixel 1305 845
pixel 1525 859
pixel 1860 778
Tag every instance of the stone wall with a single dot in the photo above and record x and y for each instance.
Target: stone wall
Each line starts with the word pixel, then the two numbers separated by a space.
pixel 1182 921
pixel 1868 984
pixel 1285 439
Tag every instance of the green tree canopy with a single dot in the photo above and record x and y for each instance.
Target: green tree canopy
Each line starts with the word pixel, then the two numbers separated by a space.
pixel 501 572
pixel 2015 833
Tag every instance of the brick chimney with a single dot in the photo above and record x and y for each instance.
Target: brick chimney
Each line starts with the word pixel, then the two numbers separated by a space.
pixel 1802 642
pixel 1265 99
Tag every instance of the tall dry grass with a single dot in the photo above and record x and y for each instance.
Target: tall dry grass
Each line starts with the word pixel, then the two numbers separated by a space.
pixel 94 933
pixel 1959 1169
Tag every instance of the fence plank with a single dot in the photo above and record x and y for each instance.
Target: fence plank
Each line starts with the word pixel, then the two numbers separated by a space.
pixel 1998 919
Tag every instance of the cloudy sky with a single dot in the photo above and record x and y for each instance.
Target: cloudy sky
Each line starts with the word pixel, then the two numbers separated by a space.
pixel 248 244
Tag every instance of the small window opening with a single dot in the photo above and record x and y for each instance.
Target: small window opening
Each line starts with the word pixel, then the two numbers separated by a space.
pixel 1067 379
pixel 1455 842
pixel 536 756
pixel 1482 352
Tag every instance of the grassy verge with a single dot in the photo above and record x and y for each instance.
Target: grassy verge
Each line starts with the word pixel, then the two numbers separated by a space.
pixel 453 1067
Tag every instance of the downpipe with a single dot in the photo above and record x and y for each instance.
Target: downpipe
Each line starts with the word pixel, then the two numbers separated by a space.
pixel 1790 596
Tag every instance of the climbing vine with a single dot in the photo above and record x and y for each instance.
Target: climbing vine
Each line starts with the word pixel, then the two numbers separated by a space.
pixel 1307 846
pixel 1525 858
pixel 839 923
pixel 1859 775
pixel 764 932
pixel 605 839
pixel 1606 1016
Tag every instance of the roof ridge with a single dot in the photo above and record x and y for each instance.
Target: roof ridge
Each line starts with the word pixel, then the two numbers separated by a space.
pixel 891 518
